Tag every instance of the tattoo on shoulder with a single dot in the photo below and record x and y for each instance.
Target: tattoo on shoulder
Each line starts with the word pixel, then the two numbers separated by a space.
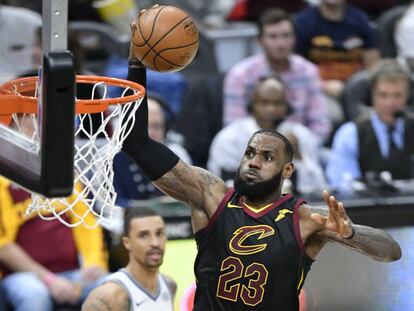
pixel 176 174
pixel 96 304
pixel 125 306
pixel 209 180
pixel 102 304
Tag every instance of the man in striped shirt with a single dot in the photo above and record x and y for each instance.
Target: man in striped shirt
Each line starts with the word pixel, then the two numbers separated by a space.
pixel 304 93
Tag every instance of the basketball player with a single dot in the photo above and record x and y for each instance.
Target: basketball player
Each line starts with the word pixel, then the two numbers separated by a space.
pixel 255 244
pixel 140 285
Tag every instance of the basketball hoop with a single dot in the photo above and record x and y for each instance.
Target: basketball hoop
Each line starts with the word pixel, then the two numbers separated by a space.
pixel 94 148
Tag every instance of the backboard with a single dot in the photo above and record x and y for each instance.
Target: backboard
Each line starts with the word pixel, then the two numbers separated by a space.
pixel 45 165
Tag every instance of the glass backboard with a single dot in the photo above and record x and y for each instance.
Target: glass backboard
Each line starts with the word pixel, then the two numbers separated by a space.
pixel 45 165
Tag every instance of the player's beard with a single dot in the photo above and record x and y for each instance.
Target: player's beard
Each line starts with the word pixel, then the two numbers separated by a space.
pixel 257 189
pixel 150 263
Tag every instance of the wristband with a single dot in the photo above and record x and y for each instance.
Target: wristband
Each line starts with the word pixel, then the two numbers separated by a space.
pixel 49 278
pixel 352 234
pixel 134 63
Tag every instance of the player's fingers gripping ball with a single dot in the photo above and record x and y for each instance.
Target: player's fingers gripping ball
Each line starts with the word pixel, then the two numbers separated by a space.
pixel 164 38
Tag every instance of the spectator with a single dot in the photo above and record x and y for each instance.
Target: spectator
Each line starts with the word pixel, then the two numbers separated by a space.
pixel 381 141
pixel 2 300
pixel 83 91
pixel 404 38
pixel 253 9
pixel 211 13
pixel 338 39
pixel 129 181
pixel 277 38
pixel 45 261
pixel 17 34
pixel 374 8
pixel 77 9
pixel 171 85
pixel 269 110
pixel 199 123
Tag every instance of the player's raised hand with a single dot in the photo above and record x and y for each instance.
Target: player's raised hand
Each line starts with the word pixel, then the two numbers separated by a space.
pixel 337 221
pixel 132 59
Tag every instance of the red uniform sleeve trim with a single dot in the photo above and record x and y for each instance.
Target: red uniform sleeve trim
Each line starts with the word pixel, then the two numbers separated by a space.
pixel 296 226
pixel 218 211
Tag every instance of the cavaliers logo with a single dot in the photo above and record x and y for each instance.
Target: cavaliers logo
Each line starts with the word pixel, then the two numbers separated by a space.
pixel 238 244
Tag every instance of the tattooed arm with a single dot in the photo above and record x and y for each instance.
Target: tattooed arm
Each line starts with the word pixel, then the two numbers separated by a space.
pixel 333 224
pixel 196 187
pixel 193 186
pixel 107 297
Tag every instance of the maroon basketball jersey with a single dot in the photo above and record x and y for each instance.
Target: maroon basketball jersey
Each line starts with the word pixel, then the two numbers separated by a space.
pixel 251 259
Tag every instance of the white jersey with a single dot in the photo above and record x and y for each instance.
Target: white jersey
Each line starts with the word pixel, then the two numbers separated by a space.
pixel 141 299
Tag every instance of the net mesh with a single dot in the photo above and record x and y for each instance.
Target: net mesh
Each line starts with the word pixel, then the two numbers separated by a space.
pixel 98 138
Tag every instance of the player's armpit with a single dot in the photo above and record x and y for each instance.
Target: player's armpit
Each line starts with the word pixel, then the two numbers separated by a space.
pixel 107 297
pixel 193 186
pixel 308 227
pixel 314 245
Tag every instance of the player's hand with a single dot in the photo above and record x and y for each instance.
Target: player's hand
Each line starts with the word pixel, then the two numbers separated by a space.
pixel 337 222
pixel 132 59
pixel 64 291
pixel 92 273
pixel 133 26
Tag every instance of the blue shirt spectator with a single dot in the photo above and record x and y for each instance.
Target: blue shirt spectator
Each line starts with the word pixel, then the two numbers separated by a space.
pixel 345 152
pixel 381 141
pixel 170 86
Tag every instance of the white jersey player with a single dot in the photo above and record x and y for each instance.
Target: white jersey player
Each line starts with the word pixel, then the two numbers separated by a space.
pixel 139 286
pixel 140 298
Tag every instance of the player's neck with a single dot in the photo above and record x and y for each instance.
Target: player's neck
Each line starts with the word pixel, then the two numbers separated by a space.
pixel 259 202
pixel 332 12
pixel 147 277
pixel 279 65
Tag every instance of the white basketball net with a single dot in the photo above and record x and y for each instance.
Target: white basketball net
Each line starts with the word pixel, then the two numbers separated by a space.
pixel 93 194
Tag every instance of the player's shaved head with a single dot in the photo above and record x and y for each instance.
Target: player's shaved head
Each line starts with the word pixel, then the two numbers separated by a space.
pixel 286 142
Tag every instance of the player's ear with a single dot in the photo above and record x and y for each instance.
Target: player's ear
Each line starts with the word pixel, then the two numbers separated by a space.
pixel 125 241
pixel 288 170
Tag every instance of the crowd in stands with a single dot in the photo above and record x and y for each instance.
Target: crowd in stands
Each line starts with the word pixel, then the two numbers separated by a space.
pixel 334 76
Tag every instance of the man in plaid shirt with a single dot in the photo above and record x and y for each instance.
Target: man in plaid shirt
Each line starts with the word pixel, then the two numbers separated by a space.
pixel 304 93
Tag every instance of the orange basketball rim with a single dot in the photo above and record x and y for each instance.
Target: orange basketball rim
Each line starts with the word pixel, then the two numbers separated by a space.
pixel 20 96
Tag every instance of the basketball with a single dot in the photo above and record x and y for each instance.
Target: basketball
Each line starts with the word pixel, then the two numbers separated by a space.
pixel 165 38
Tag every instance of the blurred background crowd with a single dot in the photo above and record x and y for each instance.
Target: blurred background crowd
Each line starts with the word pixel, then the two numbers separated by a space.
pixel 325 53
pixel 335 76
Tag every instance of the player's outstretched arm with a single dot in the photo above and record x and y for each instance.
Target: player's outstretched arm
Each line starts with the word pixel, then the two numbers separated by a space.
pixel 334 225
pixel 195 187
pixel 107 297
